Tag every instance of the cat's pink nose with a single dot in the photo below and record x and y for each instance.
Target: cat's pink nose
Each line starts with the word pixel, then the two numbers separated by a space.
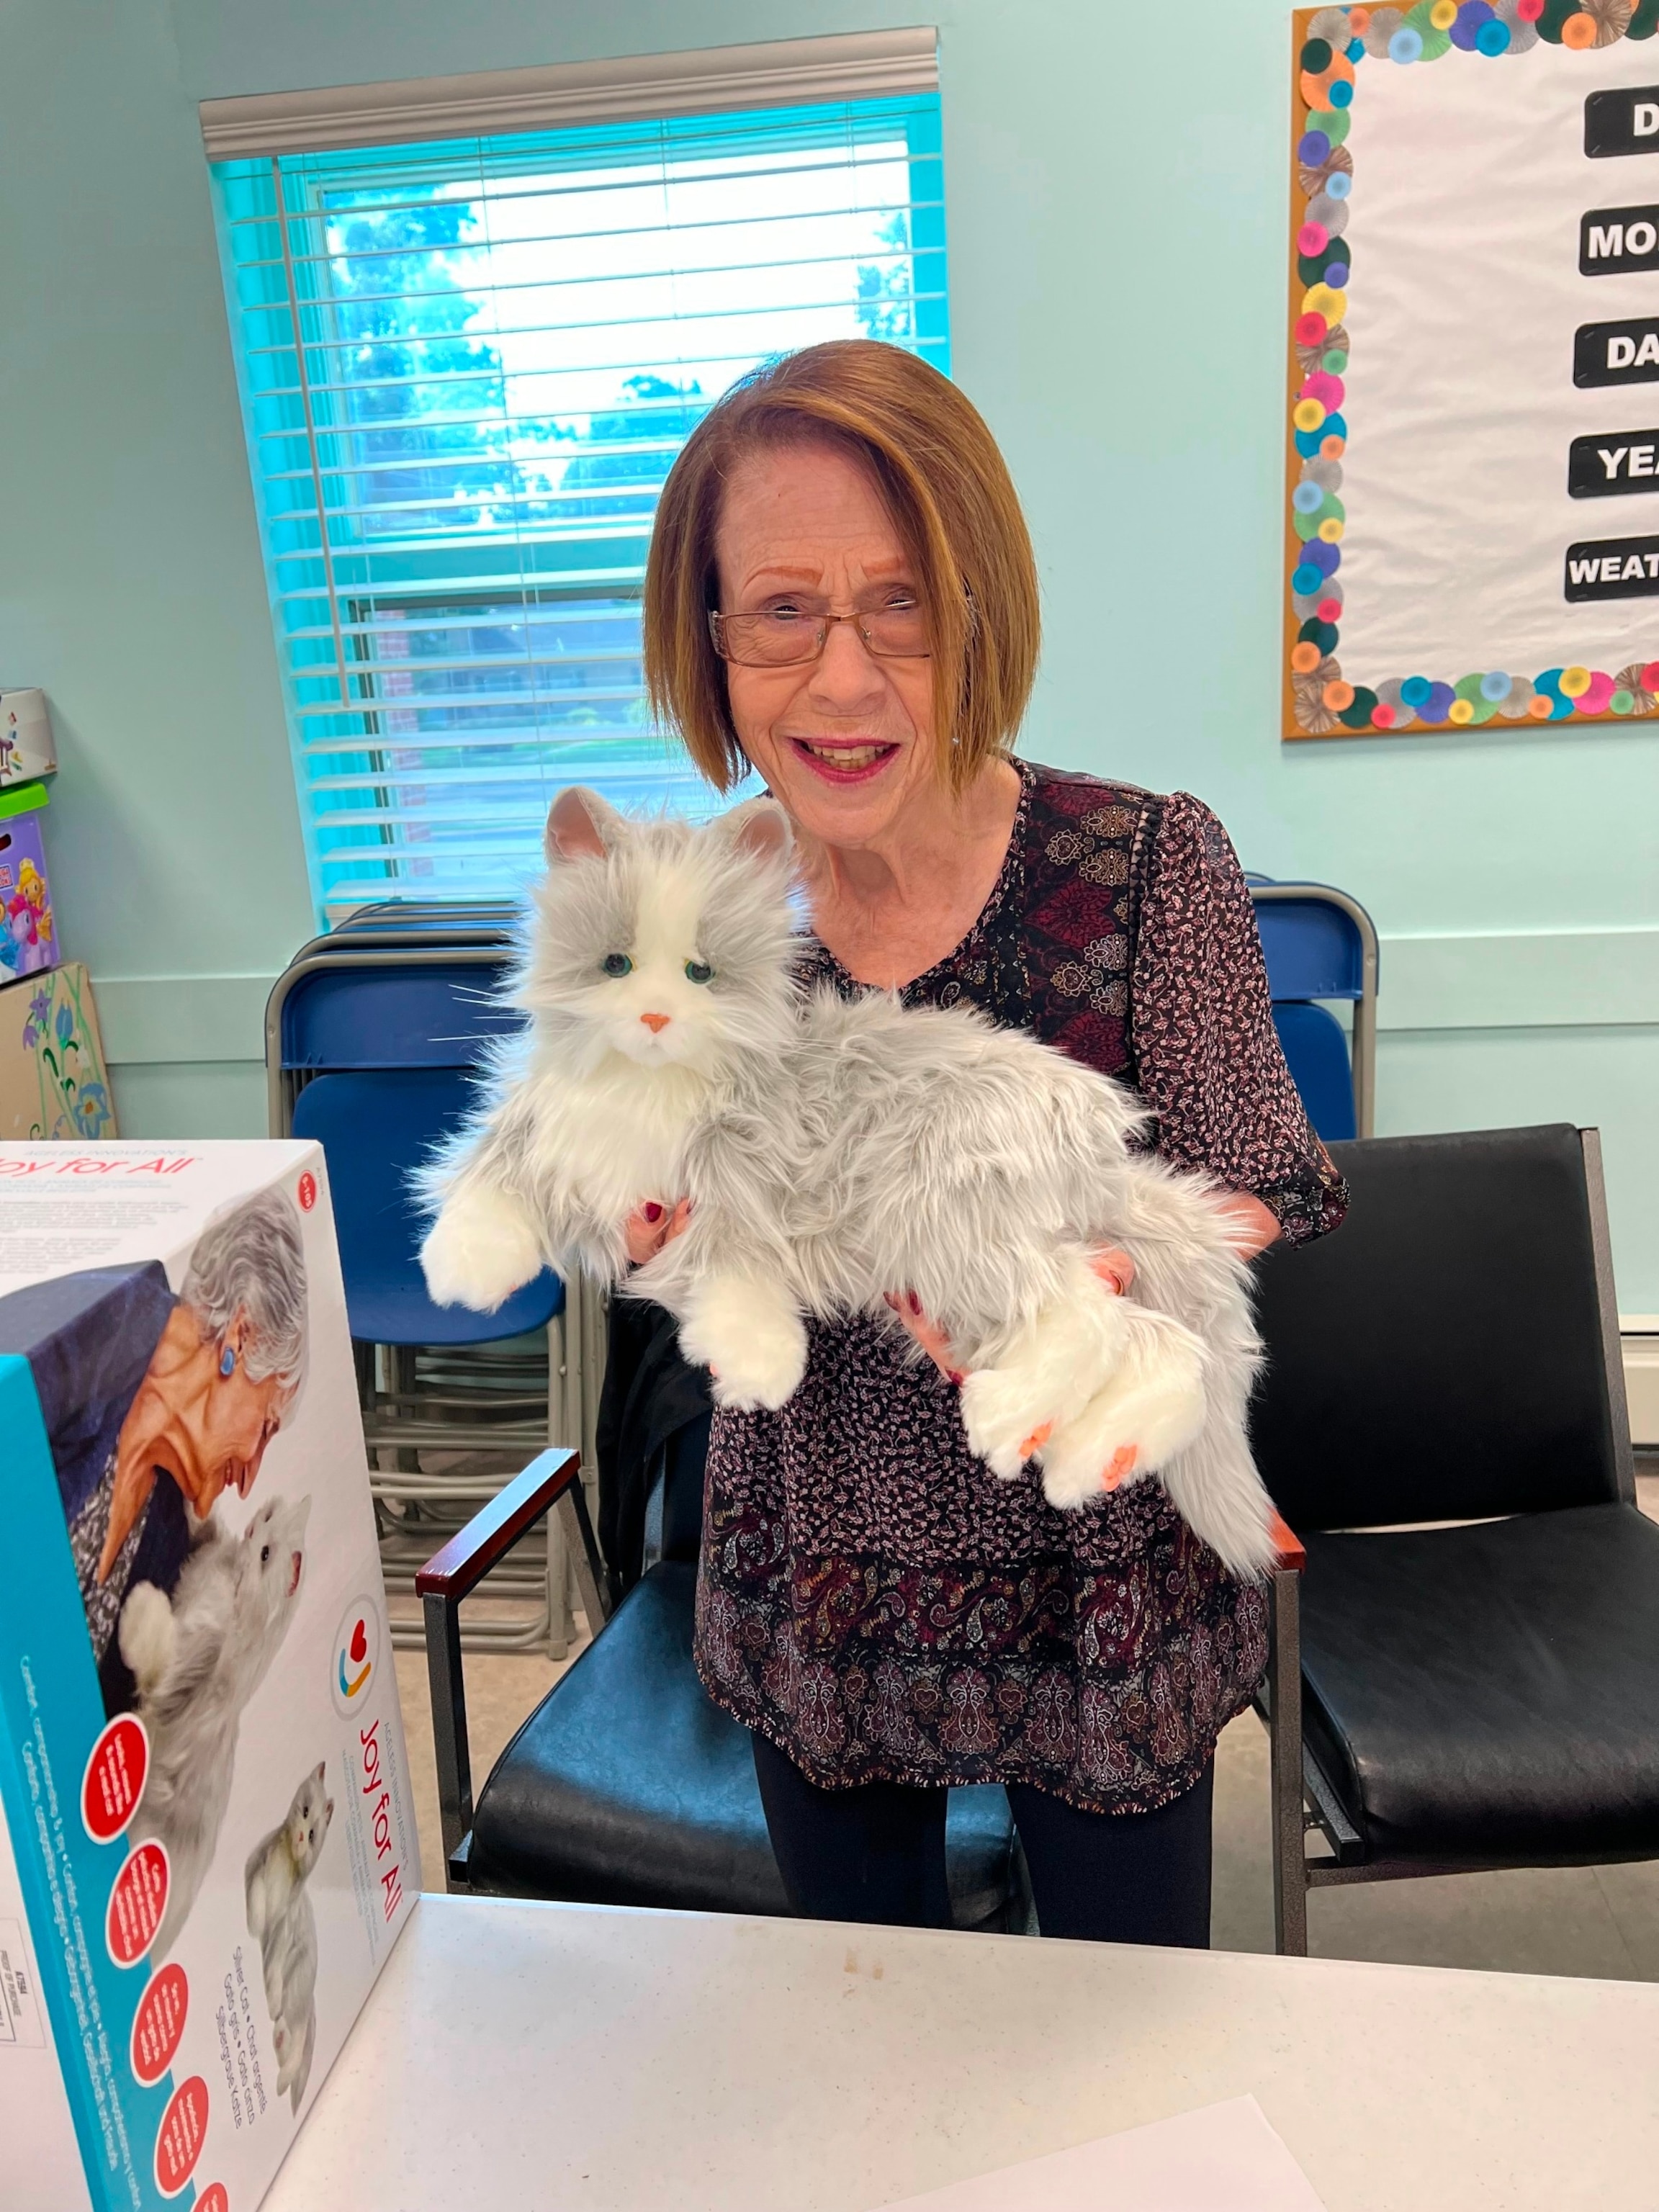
pixel 656 1023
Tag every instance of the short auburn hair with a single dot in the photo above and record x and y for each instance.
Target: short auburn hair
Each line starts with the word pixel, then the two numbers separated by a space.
pixel 952 502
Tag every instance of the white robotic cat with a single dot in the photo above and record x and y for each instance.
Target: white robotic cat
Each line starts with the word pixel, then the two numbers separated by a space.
pixel 837 1149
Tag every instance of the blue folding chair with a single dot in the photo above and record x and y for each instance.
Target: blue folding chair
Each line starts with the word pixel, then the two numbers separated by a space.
pixel 373 1039
pixel 1321 944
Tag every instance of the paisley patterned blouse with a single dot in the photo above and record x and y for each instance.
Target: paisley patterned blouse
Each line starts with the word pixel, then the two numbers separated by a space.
pixel 871 1596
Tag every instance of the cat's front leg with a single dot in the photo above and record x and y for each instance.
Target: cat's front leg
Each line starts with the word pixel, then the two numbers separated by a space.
pixel 147 1635
pixel 749 1333
pixel 482 1247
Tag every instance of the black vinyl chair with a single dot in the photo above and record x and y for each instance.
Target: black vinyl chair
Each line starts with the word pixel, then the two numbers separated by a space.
pixel 628 1785
pixel 1466 1673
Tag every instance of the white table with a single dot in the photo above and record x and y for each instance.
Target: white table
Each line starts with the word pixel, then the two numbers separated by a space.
pixel 536 2056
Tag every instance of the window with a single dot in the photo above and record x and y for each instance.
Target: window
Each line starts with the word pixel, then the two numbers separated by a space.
pixel 467 366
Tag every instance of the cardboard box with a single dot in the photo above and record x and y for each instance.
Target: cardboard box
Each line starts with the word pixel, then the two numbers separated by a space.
pixel 28 929
pixel 27 748
pixel 207 1839
pixel 53 1083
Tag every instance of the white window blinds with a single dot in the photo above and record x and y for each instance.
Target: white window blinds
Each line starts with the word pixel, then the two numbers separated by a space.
pixel 467 367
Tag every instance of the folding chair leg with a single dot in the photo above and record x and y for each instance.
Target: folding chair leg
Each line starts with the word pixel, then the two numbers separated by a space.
pixel 1284 1739
pixel 561 1379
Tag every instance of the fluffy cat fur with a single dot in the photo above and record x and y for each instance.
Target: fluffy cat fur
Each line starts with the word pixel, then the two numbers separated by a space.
pixel 280 1919
pixel 198 1657
pixel 835 1150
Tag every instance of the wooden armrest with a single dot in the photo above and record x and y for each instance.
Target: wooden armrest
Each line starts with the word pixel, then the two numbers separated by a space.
pixel 495 1528
pixel 1292 1552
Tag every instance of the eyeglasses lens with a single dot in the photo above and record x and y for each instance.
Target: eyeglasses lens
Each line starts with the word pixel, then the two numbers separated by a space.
pixel 774 639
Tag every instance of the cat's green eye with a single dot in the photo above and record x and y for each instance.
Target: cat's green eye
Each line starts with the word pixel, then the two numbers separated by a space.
pixel 616 963
pixel 699 971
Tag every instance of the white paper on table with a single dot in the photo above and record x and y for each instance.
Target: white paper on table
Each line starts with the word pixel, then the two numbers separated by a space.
pixel 1225 2158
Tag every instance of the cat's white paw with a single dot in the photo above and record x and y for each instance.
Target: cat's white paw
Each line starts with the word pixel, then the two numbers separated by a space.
pixel 145 1634
pixel 750 1337
pixel 1001 1416
pixel 1048 1375
pixel 1150 1411
pixel 480 1249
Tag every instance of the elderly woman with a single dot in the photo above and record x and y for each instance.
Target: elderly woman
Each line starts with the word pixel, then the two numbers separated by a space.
pixel 155 1404
pixel 841 595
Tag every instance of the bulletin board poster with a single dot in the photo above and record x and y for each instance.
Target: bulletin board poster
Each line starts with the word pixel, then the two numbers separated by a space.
pixel 1472 529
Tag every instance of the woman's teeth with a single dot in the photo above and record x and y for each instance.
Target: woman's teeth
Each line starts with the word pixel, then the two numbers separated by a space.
pixel 846 756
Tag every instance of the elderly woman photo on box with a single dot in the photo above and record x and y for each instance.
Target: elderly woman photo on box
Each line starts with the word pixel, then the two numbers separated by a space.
pixel 842 595
pixel 155 1403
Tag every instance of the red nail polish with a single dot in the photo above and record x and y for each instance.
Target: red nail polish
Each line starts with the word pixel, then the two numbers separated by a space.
pixel 651 1210
pixel 915 1304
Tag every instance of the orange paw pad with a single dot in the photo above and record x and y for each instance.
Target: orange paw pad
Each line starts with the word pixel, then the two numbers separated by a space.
pixel 1122 1465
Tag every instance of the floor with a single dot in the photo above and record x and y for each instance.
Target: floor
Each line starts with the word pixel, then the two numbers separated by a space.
pixel 1601 1921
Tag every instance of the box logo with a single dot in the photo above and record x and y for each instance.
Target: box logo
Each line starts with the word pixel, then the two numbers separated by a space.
pixel 356 1656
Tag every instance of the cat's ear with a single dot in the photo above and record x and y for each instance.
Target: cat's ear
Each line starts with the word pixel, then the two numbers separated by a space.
pixel 579 827
pixel 328 1814
pixel 759 829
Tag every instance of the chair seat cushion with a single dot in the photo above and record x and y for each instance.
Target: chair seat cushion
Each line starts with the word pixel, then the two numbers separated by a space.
pixel 628 1785
pixel 1489 1693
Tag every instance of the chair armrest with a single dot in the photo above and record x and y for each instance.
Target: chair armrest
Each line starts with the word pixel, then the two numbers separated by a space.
pixel 1292 1552
pixel 553 1479
pixel 495 1528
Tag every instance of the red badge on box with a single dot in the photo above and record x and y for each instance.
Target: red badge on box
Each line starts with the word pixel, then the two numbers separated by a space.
pixel 178 2142
pixel 137 1903
pixel 114 1779
pixel 213 2199
pixel 159 2024
pixel 306 1191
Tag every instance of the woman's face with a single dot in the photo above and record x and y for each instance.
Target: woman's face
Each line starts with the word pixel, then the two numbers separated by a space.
pixel 220 1433
pixel 846 742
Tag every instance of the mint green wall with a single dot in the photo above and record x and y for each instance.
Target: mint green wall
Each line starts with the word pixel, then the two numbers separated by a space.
pixel 1116 189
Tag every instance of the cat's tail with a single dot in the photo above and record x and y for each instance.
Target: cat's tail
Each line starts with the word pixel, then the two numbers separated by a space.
pixel 1214 1486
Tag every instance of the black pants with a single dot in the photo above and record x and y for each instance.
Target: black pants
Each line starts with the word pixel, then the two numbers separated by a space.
pixel 877 1853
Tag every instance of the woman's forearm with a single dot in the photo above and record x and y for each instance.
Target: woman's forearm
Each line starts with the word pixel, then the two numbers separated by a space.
pixel 1258 1225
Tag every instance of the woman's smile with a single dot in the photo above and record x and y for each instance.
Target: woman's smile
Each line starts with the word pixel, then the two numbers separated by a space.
pixel 844 760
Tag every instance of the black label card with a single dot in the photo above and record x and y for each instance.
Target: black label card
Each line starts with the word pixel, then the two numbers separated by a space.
pixel 1614 242
pixel 1625 121
pixel 1611 463
pixel 1617 353
pixel 1612 569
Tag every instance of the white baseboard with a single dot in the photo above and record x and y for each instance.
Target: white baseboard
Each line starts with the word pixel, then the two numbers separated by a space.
pixel 1640 1338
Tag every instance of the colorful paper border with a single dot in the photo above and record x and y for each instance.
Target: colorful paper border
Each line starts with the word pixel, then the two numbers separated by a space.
pixel 1331 45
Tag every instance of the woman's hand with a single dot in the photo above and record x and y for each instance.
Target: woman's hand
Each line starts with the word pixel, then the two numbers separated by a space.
pixel 650 1226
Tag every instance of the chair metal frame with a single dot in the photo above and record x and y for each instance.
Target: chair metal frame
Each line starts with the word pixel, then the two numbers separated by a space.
pixel 1363 1043
pixel 1304 1802
pixel 402 1417
pixel 553 1479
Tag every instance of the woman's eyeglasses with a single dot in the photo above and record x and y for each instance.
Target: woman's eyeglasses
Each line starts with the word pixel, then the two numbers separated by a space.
pixel 776 637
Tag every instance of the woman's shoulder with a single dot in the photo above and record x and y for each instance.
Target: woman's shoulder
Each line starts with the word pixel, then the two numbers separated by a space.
pixel 1068 795
pixel 1159 831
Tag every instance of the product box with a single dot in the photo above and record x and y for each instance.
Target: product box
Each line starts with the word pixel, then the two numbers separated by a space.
pixel 27 748
pixel 53 1083
pixel 207 1840
pixel 28 931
